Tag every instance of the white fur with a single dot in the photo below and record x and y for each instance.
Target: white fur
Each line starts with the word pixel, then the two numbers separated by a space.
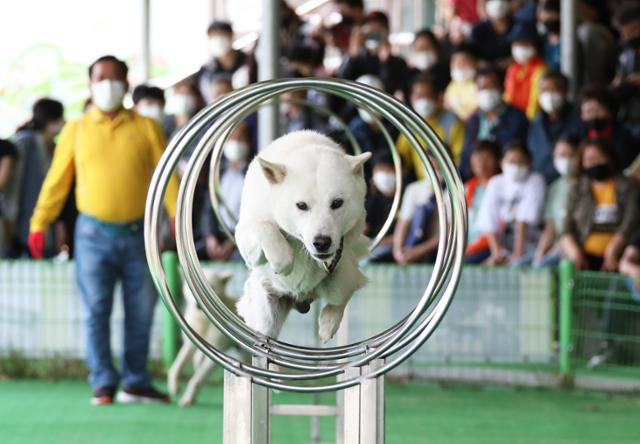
pixel 276 238
pixel 199 322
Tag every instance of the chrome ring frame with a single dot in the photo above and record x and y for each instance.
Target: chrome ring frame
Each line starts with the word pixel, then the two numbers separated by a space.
pixel 307 366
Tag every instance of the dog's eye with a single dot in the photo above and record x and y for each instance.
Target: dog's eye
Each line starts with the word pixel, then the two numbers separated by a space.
pixel 336 203
pixel 302 206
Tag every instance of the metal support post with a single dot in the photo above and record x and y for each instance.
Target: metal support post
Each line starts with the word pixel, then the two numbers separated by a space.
pixel 268 68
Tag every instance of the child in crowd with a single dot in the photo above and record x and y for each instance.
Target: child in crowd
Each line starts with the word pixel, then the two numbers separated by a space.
pixel 378 205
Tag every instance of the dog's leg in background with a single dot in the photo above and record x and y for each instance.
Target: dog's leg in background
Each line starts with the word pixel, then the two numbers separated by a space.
pixel 173 375
pixel 193 386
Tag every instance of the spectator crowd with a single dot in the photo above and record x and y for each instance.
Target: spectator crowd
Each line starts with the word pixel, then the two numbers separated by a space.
pixel 551 164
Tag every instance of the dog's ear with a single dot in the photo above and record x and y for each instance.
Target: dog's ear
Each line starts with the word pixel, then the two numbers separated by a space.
pixel 357 162
pixel 274 172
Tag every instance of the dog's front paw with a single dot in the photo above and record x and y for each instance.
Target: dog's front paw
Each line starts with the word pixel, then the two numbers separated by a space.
pixel 281 260
pixel 329 321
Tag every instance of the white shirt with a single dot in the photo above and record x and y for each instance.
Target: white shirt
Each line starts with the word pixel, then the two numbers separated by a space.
pixel 507 201
pixel 231 184
pixel 416 194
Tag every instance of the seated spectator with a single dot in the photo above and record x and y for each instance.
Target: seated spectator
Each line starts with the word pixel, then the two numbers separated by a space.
pixel 511 209
pixel 415 237
pixel 426 100
pixel 596 43
pixel 35 145
pixel 630 264
pixel 296 115
pixel 378 205
pixel 425 55
pixel 494 119
pixel 370 53
pixel 149 101
pixel 627 81
pixel 523 75
pixel 183 104
pixel 461 95
pixel 548 252
pixel 236 152
pixel 224 60
pixel 491 34
pixel 597 112
pixel 602 212
pixel 365 129
pixel 8 155
pixel 557 117
pixel 485 163
pixel 549 29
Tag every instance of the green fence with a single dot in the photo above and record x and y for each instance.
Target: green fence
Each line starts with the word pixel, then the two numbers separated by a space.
pixel 521 326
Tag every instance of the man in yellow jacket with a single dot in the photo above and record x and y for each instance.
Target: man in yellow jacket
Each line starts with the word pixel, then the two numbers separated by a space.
pixel 111 152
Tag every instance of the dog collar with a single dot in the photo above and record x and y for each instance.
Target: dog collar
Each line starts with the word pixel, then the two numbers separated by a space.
pixel 336 258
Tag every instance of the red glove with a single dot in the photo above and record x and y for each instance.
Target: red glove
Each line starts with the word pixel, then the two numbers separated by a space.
pixel 36 244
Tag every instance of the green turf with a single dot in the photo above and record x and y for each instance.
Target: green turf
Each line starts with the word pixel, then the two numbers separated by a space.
pixel 59 412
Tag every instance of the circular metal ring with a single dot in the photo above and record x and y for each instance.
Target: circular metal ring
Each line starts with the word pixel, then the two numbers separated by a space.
pixel 305 364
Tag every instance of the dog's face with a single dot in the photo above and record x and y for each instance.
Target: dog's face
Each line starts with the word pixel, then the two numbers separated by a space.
pixel 317 197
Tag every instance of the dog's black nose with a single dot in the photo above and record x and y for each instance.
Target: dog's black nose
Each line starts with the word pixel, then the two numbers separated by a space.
pixel 322 243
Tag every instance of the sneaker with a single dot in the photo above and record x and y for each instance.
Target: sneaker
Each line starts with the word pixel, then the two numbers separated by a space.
pixel 148 395
pixel 103 395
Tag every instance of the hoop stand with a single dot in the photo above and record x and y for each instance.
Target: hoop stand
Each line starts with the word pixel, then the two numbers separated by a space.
pixel 359 410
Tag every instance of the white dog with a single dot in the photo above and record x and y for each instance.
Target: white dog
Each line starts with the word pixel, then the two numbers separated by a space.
pixel 199 322
pixel 300 231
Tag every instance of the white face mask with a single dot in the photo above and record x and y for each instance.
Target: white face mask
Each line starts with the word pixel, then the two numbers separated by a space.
pixel 425 107
pixel 235 150
pixel 181 105
pixel 522 54
pixel 107 95
pixel 385 182
pixel 332 58
pixel 489 99
pixel 551 101
pixel 149 110
pixel 219 46
pixel 515 172
pixel 497 9
pixel 562 164
pixel 372 45
pixel 463 74
pixel 364 115
pixel 423 60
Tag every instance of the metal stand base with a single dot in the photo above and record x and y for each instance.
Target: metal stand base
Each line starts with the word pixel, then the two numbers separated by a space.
pixel 359 413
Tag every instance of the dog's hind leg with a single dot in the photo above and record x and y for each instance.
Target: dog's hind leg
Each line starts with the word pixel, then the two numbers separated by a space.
pixel 261 307
pixel 173 375
pixel 193 386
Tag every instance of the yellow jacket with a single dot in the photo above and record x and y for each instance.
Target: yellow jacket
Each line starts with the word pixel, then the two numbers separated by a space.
pixel 112 161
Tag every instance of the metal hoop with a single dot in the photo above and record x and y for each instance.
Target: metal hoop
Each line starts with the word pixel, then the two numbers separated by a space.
pixel 306 366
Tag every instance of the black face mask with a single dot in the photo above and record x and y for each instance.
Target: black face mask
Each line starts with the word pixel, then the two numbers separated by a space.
pixel 599 172
pixel 597 124
pixel 552 26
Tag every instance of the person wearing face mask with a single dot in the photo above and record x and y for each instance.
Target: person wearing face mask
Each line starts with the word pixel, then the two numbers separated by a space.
pixel 602 211
pixel 149 101
pixel 366 130
pixel 236 154
pixel 598 109
pixel 511 210
pixel 370 53
pixel 485 163
pixel 627 80
pixel 382 189
pixel 523 75
pixel 557 117
pixel 223 60
pixel 425 55
pixel 491 34
pixel 461 95
pixel 185 101
pixel 426 100
pixel 35 144
pixel 494 120
pixel 112 153
pixel 548 25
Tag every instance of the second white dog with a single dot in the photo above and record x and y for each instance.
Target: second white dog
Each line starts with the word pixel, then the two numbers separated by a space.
pixel 300 231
